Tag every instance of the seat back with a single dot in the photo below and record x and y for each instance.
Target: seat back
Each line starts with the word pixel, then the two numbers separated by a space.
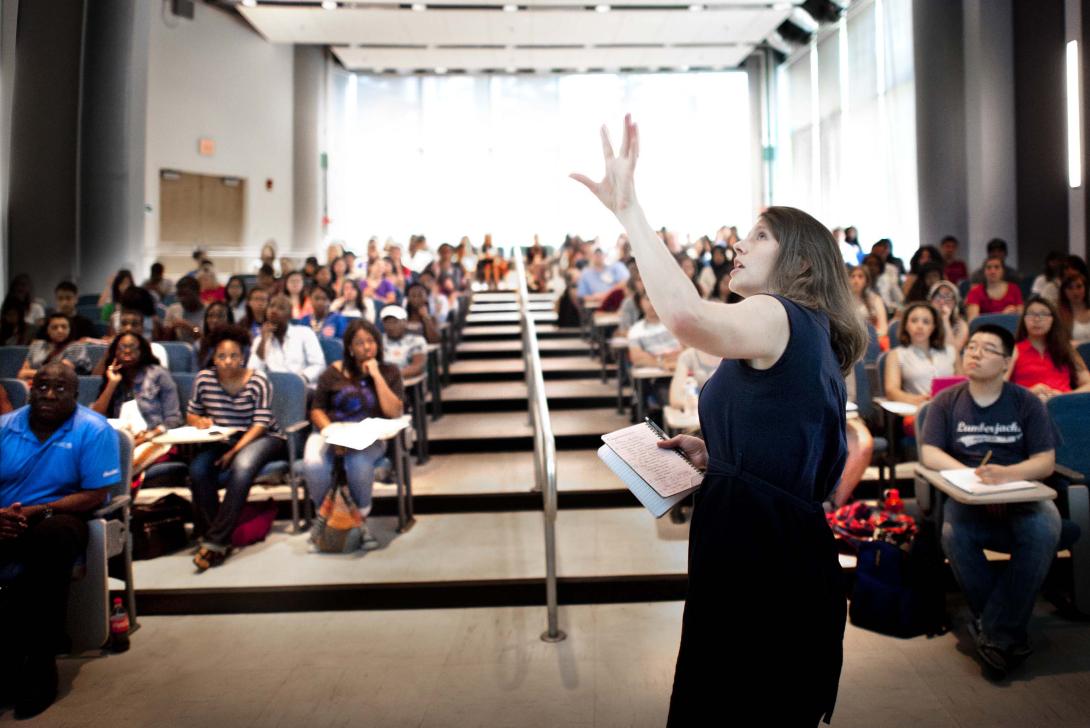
pixel 1071 415
pixel 16 390
pixel 963 288
pixel 289 398
pixel 880 383
pixel 88 299
pixel 11 360
pixel 184 382
pixel 89 387
pixel 332 349
pixel 1084 351
pixel 124 454
pixel 1009 321
pixel 95 352
pixel 873 348
pixel 89 310
pixel 180 356
pixel 894 329
pixel 863 397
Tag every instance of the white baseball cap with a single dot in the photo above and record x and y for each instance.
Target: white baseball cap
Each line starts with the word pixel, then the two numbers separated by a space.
pixel 395 312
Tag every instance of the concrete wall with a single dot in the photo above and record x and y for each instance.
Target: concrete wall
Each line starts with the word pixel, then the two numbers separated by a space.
pixel 215 77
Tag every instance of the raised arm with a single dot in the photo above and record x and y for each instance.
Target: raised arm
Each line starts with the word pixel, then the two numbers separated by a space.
pixel 756 328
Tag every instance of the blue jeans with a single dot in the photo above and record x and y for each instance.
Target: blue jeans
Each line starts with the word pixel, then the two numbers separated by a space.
pixel 1002 599
pixel 215 520
pixel 359 466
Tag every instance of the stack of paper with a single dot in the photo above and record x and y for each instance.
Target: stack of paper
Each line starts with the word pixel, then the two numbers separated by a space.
pixel 361 435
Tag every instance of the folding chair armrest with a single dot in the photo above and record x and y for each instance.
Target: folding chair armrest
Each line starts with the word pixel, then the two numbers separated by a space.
pixel 292 433
pixel 297 427
pixel 1071 476
pixel 117 503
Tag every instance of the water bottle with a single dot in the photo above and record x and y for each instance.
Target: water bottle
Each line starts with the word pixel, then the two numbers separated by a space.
pixel 692 395
pixel 892 502
pixel 119 627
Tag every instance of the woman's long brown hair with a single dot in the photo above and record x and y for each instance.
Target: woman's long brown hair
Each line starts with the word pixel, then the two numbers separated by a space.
pixel 811 272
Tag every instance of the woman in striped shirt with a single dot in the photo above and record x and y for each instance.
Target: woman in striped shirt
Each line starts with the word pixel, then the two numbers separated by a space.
pixel 229 395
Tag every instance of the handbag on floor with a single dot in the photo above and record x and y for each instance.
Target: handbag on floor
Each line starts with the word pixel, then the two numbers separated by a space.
pixel 254 523
pixel 158 528
pixel 339 526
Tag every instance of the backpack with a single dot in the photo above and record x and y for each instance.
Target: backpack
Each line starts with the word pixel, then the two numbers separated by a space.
pixel 899 589
pixel 158 528
pixel 254 523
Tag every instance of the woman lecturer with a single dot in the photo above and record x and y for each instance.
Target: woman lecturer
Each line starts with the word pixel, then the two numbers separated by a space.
pixel 764 618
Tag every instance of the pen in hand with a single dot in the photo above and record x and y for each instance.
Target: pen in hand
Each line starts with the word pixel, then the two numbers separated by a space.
pixel 987 457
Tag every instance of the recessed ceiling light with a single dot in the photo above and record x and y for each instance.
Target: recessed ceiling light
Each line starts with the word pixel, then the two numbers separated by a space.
pixel 249 3
pixel 329 4
pixel 379 70
pixel 581 69
pixel 696 8
pixel 419 7
pixel 683 69
pixel 782 6
pixel 512 69
pixel 602 8
pixel 440 70
pixel 510 8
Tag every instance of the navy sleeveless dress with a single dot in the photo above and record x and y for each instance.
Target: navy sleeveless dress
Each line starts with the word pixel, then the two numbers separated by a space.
pixel 763 629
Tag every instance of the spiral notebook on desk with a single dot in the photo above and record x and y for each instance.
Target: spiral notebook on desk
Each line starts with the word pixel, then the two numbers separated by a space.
pixel 658 477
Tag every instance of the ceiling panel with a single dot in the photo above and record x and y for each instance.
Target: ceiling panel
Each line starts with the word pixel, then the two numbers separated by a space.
pixel 485 59
pixel 549 23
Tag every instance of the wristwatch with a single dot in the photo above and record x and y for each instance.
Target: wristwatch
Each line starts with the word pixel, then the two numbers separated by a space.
pixel 47 513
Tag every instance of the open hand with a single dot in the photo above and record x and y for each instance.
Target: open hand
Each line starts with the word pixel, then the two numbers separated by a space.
pixel 617 189
pixel 693 447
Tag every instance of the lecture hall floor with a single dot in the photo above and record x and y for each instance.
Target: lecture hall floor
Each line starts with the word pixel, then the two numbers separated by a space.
pixel 487 667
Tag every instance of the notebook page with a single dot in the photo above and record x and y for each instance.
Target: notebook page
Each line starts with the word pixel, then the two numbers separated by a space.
pixel 663 469
pixel 967 480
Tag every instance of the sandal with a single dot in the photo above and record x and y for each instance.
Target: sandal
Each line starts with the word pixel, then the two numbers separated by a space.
pixel 206 558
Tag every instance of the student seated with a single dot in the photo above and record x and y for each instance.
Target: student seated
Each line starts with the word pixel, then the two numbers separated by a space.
pixel 295 290
pixel 257 303
pixel 598 280
pixel 286 347
pixel 65 297
pixel 630 311
pixel 60 346
pixel 944 297
pixel 139 300
pixel 994 295
pixel 405 350
pixel 923 354
pixel 1075 306
pixel 14 329
pixel 216 315
pixel 650 344
pixel 185 316
pixel 59 463
pixel 439 301
pixel 420 321
pixel 134 374
pixel 322 320
pixel 229 395
pixel 868 303
pixel 691 363
pixel 1044 360
pixel 133 321
pixel 351 390
pixel 109 300
pixel 352 303
pixel 965 423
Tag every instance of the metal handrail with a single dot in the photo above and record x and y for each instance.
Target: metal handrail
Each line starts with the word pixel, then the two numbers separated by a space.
pixel 544 447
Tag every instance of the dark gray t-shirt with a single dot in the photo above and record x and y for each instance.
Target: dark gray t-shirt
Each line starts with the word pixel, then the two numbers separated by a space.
pixel 1014 427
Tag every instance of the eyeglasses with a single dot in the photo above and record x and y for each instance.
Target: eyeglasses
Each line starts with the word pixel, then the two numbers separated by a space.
pixel 978 349
pixel 1038 315
pixel 944 296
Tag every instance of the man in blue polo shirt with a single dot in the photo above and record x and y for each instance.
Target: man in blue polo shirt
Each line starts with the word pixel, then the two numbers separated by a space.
pixel 57 463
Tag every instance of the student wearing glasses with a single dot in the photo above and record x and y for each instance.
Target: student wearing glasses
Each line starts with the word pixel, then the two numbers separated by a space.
pixel 1044 360
pixel 964 424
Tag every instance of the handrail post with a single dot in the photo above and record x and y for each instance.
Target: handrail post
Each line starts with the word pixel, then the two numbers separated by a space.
pixel 544 450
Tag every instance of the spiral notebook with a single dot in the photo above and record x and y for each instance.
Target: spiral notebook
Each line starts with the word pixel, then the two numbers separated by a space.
pixel 658 477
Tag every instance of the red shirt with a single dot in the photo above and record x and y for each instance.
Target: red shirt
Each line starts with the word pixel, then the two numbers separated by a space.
pixel 978 294
pixel 1034 367
pixel 955 271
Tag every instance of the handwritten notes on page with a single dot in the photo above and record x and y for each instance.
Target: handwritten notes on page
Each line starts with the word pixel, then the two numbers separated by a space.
pixel 663 469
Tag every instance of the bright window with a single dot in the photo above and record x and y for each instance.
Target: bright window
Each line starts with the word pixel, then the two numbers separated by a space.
pixel 449 156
